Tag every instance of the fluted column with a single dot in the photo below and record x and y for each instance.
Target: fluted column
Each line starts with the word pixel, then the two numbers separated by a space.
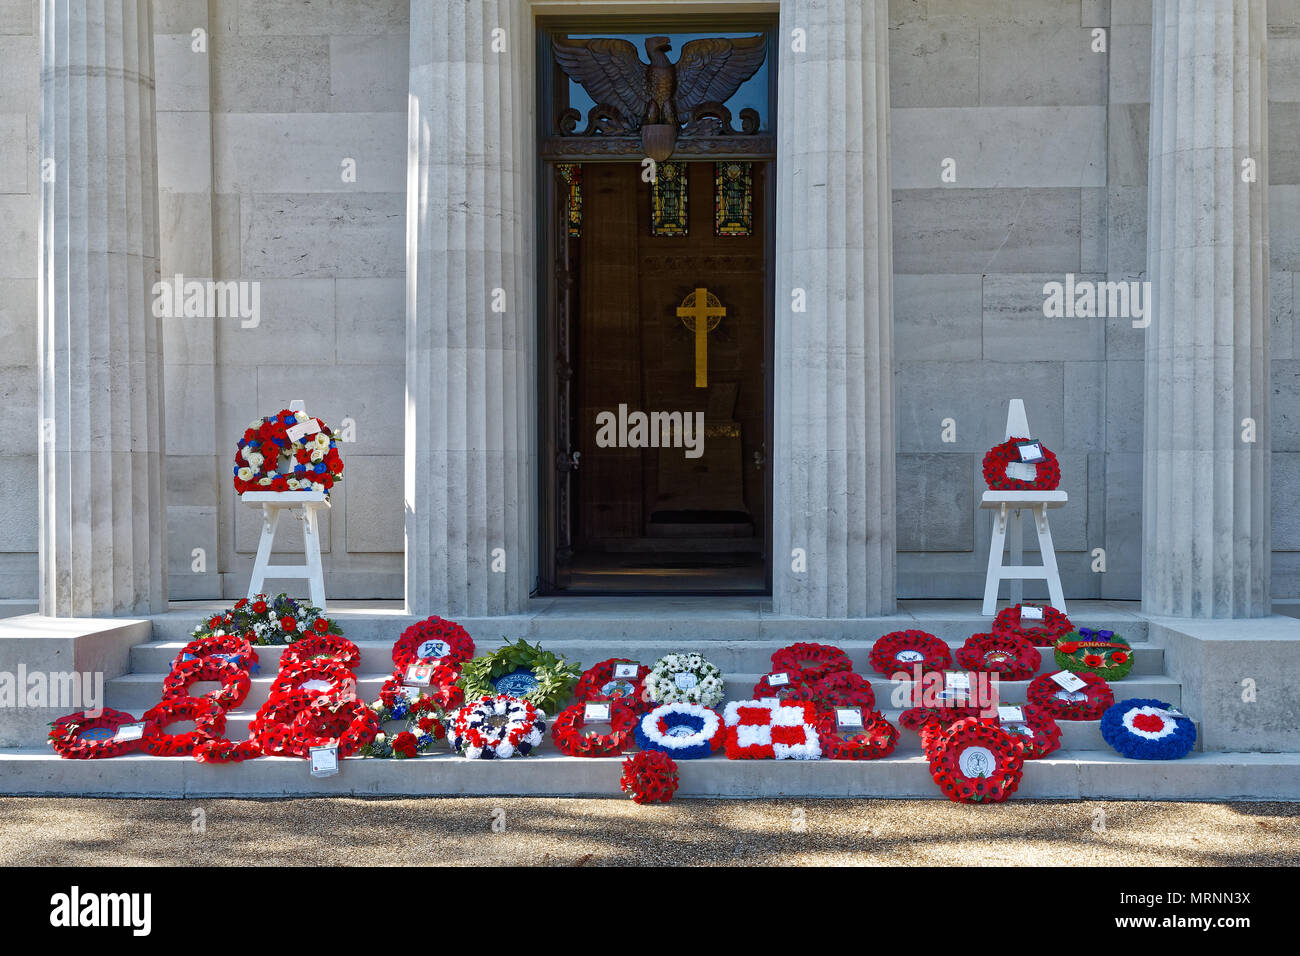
pixel 470 455
pixel 1206 541
pixel 103 530
pixel 834 405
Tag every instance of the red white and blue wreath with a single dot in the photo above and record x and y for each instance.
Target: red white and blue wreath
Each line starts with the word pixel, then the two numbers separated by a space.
pixel 1047 473
pixel 420 713
pixel 683 731
pixel 811 661
pixel 907 650
pixel 496 728
pixel 1009 656
pixel 288 451
pixel 1147 729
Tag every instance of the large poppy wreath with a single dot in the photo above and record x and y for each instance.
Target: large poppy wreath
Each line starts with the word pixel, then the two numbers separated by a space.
pixel 571 736
pixel 1038 734
pixel 434 640
pixel 1041 633
pixel 288 451
pixel 345 722
pixel 877 738
pixel 234 680
pixel 906 650
pixel 209 724
pixel 1047 473
pixel 1010 657
pixel 976 762
pixel 599 683
pixel 811 661
pixel 82 737
pixel 1147 729
pixel 1087 703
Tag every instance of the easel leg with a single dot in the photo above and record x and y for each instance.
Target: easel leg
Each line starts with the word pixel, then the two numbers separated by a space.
pixel 1049 559
pixel 1017 584
pixel 994 576
pixel 311 545
pixel 270 521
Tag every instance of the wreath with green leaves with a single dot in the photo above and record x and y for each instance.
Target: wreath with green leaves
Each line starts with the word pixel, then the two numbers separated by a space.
pixel 521 670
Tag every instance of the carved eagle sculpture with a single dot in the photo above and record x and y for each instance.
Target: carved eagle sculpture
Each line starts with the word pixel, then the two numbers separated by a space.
pixel 708 71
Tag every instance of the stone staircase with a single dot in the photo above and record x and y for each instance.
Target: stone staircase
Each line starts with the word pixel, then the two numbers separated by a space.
pixel 738 635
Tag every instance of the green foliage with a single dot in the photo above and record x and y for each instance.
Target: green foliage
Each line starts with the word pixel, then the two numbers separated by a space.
pixel 555 676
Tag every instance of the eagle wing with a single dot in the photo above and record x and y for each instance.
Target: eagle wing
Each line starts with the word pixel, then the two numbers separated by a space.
pixel 609 69
pixel 711 70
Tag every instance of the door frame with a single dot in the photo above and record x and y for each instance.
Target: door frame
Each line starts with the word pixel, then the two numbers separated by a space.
pixel 549 365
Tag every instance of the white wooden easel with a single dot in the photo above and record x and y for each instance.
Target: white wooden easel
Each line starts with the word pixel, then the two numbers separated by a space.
pixel 304 505
pixel 1012 504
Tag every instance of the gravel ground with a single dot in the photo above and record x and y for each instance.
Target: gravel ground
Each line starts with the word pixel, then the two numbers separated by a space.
pixel 460 831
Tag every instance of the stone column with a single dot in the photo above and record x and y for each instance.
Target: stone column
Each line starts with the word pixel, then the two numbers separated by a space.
pixel 102 515
pixel 1206 509
pixel 834 378
pixel 470 308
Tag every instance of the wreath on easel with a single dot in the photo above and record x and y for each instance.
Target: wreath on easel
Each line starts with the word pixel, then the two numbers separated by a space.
pixel 1047 473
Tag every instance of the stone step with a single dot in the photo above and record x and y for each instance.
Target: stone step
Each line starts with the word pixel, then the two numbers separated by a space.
pixel 136 693
pixel 740 656
pixel 679 622
pixel 1064 775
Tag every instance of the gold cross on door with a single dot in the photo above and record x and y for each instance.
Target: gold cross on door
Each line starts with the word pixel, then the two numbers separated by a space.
pixel 701 311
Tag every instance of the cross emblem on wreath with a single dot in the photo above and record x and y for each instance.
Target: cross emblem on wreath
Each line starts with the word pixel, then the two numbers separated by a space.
pixel 701 311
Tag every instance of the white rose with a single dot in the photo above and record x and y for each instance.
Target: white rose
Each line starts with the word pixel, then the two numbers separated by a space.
pixel 256 459
pixel 246 474
pixel 255 424
pixel 317 455
pixel 264 481
pixel 293 484
pixel 300 417
pixel 322 441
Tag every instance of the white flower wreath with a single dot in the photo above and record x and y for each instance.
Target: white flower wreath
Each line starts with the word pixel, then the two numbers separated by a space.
pixel 685 678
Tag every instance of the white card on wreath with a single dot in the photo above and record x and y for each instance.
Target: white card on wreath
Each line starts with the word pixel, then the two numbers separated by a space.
pixel 302 430
pixel 421 675
pixel 1015 715
pixel 324 761
pixel 1030 451
pixel 1069 681
pixel 625 671
pixel 778 680
pixel 596 713
pixel 1021 472
pixel 957 681
pixel 412 692
pixel 1031 612
pixel 847 717
pixel 130 731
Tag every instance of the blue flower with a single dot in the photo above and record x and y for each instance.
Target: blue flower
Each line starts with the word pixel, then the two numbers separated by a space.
pixel 400 710
pixel 424 740
pixel 320 467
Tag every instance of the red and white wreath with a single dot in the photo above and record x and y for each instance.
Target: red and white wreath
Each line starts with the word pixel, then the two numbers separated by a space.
pixel 1009 656
pixel 766 730
pixel 1047 473
pixel 288 451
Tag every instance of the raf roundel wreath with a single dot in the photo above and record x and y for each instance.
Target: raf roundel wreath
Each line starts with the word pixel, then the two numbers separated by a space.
pixel 877 738
pixel 329 721
pixel 765 730
pixel 269 459
pixel 82 737
pixel 684 731
pixel 1008 656
pixel 1044 633
pixel 235 682
pixel 811 661
pixel 975 762
pixel 209 724
pixel 569 733
pixel 434 640
pixel 496 728
pixel 907 650
pixel 1047 473
pixel 1146 729
pixel 1087 703
pixel 649 777
pixel 1103 653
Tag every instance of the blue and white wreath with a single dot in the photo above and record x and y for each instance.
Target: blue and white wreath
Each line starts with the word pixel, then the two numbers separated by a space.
pixel 685 679
pixel 683 731
pixel 1145 729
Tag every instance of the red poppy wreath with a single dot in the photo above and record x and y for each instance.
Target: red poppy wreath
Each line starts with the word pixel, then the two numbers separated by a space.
pixel 327 721
pixel 649 777
pixel 434 640
pixel 975 762
pixel 783 685
pixel 1041 633
pixel 228 647
pixel 877 738
pixel 1037 734
pixel 599 683
pixel 1047 473
pixel 271 727
pixel 82 737
pixel 841 689
pixel 571 736
pixel 209 724
pixel 906 650
pixel 441 691
pixel 295 674
pixel 318 647
pixel 811 661
pixel 1087 703
pixel 235 682
pixel 1008 656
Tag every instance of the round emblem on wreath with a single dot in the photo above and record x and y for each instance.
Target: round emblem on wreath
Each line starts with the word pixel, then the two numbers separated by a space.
pixel 288 451
pixel 905 650
pixel 1148 729
pixel 975 762
pixel 1010 657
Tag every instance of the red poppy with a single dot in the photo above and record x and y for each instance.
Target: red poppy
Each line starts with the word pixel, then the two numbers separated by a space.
pixel 287 623
pixel 1092 660
pixel 321 626
pixel 259 607
pixel 405 744
pixel 1119 657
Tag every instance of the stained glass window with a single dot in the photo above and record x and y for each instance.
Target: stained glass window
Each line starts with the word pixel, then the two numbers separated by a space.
pixel 571 173
pixel 733 199
pixel 668 216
